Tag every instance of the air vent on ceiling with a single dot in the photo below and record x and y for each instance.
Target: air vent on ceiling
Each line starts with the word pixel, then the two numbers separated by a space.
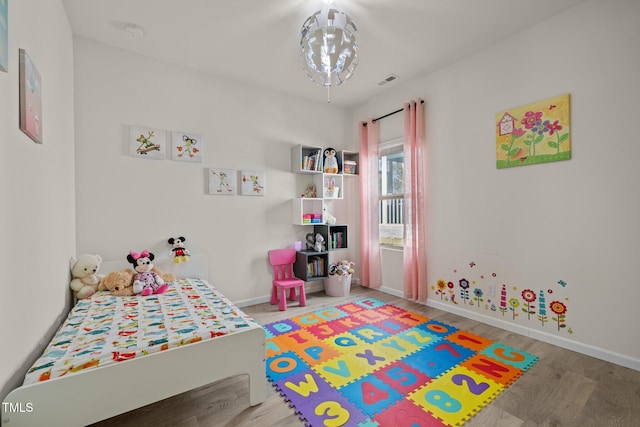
pixel 389 79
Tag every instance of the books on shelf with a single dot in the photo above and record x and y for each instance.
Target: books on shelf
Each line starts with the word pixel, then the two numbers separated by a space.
pixel 315 267
pixel 336 240
pixel 312 162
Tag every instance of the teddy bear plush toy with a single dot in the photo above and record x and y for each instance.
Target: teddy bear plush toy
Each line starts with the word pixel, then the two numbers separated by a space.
pixel 84 275
pixel 119 282
pixel 146 281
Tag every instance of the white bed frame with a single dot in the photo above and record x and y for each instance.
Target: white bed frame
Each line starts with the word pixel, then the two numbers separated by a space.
pixel 103 392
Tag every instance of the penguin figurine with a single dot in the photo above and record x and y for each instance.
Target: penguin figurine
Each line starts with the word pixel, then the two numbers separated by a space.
pixel 330 161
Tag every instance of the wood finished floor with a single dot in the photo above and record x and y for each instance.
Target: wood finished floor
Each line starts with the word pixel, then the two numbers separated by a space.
pixel 563 388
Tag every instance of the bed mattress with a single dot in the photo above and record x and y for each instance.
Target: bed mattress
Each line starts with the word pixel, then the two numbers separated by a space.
pixel 106 329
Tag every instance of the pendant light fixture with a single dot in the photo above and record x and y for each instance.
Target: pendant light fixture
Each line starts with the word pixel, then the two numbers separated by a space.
pixel 328 47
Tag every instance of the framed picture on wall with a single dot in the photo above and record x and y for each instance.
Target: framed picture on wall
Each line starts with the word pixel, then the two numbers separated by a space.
pixel 539 132
pixel 252 183
pixel 147 143
pixel 222 182
pixel 186 147
pixel 30 98
pixel 4 36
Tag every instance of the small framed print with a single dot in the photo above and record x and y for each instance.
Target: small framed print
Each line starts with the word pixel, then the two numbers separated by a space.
pixel 30 98
pixel 252 183
pixel 4 36
pixel 186 147
pixel 222 182
pixel 147 143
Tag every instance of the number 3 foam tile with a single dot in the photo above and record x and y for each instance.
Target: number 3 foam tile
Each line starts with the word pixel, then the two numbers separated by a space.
pixel 457 395
pixel 320 404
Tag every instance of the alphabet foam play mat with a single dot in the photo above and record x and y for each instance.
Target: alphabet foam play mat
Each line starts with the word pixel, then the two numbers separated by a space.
pixel 368 363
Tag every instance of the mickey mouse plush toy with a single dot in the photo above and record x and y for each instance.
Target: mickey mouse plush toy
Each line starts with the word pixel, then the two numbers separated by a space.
pixel 179 252
pixel 145 282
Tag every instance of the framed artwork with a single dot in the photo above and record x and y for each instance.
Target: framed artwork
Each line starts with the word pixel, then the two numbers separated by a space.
pixel 223 182
pixel 539 132
pixel 30 98
pixel 252 183
pixel 147 143
pixel 4 36
pixel 186 147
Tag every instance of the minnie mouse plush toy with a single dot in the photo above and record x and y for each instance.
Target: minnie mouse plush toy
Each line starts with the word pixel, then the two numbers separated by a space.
pixel 146 282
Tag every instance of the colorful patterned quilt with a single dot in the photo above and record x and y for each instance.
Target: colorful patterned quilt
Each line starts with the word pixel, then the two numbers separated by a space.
pixel 107 329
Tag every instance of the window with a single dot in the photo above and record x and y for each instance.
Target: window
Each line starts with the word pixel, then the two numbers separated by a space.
pixel 391 193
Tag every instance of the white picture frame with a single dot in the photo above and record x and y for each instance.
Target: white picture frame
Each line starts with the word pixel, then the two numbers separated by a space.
pixel 223 182
pixel 147 143
pixel 252 183
pixel 187 147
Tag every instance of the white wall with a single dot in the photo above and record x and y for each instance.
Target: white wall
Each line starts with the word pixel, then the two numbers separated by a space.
pixel 37 218
pixel 575 221
pixel 125 203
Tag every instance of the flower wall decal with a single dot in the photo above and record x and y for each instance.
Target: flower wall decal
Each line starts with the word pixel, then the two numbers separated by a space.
pixel 476 288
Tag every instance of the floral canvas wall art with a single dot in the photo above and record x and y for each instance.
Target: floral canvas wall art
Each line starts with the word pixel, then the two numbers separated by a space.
pixel 539 132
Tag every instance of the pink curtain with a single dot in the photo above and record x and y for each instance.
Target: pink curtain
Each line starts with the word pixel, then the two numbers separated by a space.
pixel 370 272
pixel 415 250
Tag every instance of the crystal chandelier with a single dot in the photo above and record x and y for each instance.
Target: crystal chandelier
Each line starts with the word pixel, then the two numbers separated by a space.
pixel 328 47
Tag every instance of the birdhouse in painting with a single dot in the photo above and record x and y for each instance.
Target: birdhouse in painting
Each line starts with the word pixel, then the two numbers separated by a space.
pixel 505 124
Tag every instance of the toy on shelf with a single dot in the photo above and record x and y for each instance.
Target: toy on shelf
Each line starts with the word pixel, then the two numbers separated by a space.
pixel 310 241
pixel 329 219
pixel 310 192
pixel 330 161
pixel 178 251
pixel 146 281
pixel 319 243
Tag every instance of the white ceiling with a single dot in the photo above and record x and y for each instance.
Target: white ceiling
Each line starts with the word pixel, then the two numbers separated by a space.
pixel 257 41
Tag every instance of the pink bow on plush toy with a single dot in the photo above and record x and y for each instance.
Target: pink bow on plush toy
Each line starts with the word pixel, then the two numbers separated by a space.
pixel 143 254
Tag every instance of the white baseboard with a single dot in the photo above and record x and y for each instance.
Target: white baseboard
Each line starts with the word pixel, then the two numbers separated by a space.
pixel 589 350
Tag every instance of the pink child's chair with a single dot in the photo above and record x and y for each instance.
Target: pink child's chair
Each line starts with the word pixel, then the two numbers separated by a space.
pixel 282 262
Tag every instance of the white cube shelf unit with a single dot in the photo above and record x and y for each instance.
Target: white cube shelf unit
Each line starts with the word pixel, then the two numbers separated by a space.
pixel 353 161
pixel 303 207
pixel 306 159
pixel 307 162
